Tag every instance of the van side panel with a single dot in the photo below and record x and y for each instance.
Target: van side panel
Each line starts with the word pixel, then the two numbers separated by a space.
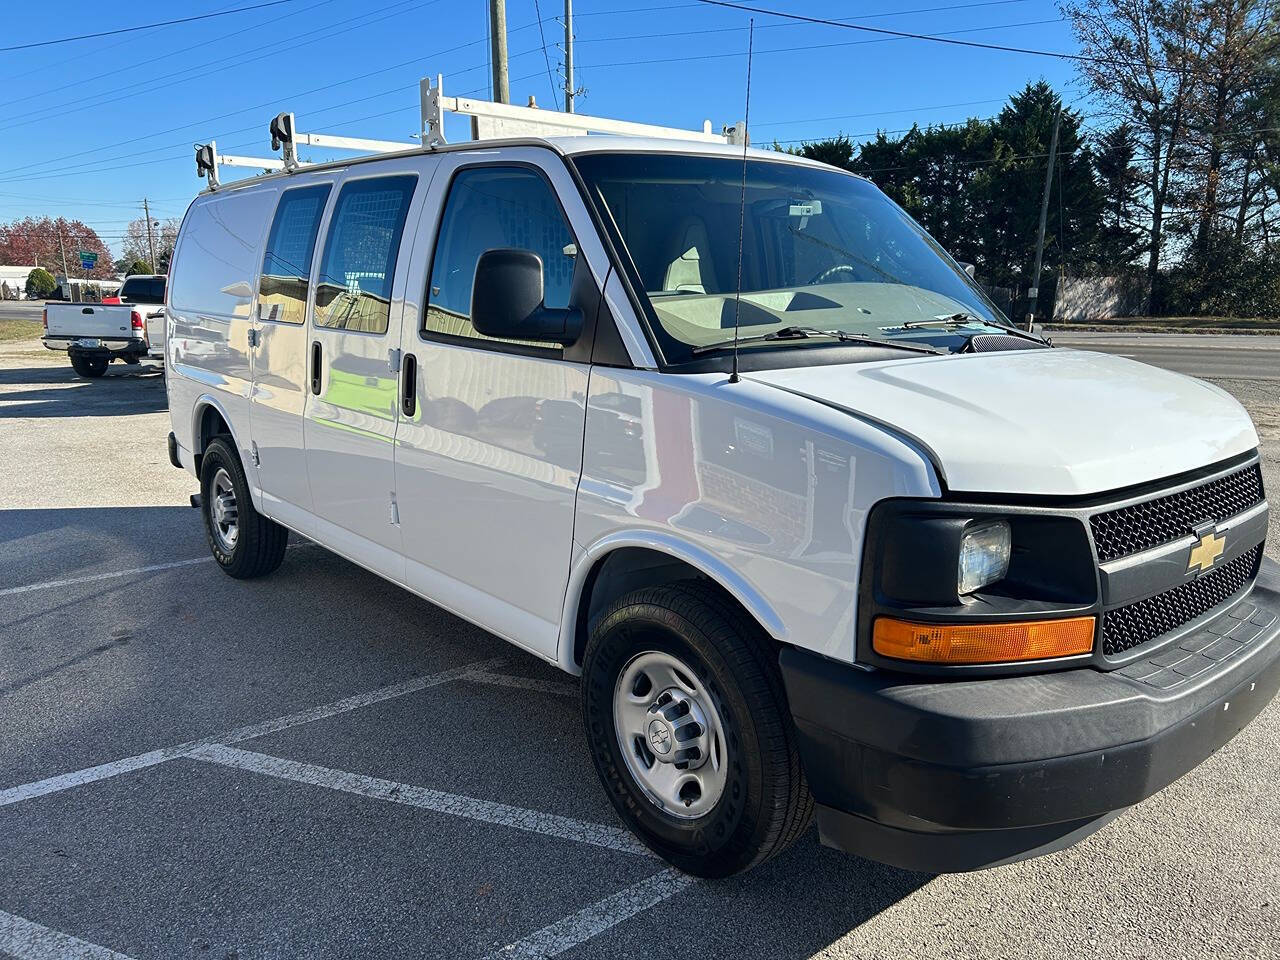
pixel 764 492
pixel 213 285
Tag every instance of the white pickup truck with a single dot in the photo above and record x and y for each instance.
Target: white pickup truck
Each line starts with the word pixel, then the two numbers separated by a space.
pixel 94 334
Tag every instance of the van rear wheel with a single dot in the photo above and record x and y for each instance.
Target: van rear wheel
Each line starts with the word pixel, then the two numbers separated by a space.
pixel 244 542
pixel 689 729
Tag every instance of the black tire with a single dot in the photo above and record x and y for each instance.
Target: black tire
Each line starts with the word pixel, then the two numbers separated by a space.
pixel 89 366
pixel 260 542
pixel 765 804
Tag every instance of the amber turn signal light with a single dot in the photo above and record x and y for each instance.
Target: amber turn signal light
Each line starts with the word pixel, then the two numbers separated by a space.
pixel 982 642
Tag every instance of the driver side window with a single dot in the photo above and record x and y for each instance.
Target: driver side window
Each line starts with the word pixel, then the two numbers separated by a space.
pixel 488 208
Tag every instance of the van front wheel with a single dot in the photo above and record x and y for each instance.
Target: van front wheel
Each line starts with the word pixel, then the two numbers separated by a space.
pixel 244 542
pixel 688 725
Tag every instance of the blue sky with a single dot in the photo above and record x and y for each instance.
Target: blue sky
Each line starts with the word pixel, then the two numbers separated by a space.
pixel 90 127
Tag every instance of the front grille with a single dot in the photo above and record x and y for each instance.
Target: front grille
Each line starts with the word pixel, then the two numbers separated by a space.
pixel 1142 526
pixel 1126 627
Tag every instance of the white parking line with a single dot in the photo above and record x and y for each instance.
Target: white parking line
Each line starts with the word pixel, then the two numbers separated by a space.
pixel 558 687
pixel 457 805
pixel 595 919
pixel 347 704
pixel 25 940
pixel 66 781
pixel 114 574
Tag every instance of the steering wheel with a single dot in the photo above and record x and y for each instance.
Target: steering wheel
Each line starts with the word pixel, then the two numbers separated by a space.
pixel 831 272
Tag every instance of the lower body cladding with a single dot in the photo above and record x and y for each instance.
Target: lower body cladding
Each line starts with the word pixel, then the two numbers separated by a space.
pixel 965 774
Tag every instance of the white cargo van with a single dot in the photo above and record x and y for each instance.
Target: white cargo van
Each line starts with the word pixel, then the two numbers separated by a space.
pixel 966 594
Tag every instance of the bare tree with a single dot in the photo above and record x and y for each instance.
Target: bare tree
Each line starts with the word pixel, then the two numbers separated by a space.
pixel 1233 41
pixel 163 232
pixel 1140 64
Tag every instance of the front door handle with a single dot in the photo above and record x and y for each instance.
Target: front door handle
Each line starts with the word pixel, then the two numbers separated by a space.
pixel 315 368
pixel 408 384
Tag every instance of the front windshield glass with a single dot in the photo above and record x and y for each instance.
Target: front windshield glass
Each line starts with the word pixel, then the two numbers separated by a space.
pixel 821 249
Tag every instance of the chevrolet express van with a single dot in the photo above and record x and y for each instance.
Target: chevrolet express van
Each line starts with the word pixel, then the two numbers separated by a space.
pixel 817 529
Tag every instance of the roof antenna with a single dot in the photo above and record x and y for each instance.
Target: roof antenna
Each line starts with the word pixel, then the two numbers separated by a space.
pixel 742 203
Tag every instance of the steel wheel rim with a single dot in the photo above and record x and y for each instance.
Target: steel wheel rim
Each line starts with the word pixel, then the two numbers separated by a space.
pixel 670 734
pixel 224 515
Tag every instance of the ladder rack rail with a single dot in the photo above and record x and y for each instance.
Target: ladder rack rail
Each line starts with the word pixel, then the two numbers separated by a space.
pixel 488 121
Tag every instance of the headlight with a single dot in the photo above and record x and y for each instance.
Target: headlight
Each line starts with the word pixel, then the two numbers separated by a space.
pixel 984 556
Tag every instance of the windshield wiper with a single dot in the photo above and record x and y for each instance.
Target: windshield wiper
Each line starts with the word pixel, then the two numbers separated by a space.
pixel 803 333
pixel 963 319
pixel 955 320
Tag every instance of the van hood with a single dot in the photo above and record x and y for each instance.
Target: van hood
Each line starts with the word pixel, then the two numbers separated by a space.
pixel 1048 422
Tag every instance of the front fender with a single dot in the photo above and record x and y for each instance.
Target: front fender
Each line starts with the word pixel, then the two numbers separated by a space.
pixel 695 556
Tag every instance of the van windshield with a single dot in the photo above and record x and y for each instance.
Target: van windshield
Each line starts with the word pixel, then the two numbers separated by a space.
pixel 821 249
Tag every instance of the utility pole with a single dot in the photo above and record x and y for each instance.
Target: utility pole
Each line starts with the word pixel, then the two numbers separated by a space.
pixel 1033 294
pixel 62 248
pixel 568 56
pixel 151 243
pixel 498 38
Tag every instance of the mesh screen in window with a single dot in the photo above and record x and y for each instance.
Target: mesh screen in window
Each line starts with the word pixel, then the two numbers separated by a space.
pixel 359 264
pixel 488 208
pixel 286 268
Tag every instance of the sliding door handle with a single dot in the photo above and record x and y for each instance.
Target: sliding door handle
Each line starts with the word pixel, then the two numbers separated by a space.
pixel 315 368
pixel 408 384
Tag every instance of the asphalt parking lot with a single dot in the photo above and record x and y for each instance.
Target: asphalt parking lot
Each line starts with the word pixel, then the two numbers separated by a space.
pixel 319 764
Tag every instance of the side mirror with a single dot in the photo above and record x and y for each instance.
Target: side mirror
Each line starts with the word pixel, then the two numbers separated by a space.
pixel 507 300
pixel 970 269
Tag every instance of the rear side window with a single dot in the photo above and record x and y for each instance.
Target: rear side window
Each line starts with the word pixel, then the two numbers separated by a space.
pixel 491 207
pixel 219 252
pixel 143 290
pixel 359 264
pixel 286 268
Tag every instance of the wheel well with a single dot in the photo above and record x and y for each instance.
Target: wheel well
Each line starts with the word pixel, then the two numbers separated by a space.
pixel 211 425
pixel 624 570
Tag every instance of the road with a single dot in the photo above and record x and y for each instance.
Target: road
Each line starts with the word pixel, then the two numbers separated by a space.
pixel 20 310
pixel 1211 357
pixel 319 764
pixel 1240 357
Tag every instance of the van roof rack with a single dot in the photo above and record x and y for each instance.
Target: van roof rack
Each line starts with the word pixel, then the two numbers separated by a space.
pixel 489 121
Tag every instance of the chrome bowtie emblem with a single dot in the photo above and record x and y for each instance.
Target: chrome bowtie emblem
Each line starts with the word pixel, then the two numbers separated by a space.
pixel 1206 551
pixel 659 737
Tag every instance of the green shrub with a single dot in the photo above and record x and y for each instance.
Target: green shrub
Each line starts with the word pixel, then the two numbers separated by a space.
pixel 40 283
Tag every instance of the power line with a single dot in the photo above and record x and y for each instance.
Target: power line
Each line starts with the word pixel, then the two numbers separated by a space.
pixel 198 71
pixel 144 26
pixel 6 175
pixel 132 67
pixel 938 38
pixel 809 47
pixel 328 31
pixel 537 10
pixel 864 16
pixel 880 113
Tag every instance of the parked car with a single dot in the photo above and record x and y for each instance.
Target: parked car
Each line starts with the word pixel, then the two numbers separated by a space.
pixel 814 525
